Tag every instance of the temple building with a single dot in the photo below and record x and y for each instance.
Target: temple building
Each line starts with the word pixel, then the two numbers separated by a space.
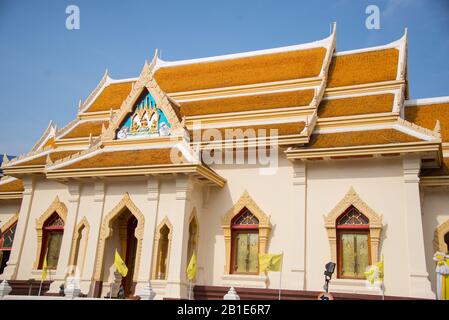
pixel 301 150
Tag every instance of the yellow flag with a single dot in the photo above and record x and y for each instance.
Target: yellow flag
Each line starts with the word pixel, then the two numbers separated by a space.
pixel 191 268
pixel 44 268
pixel 270 262
pixel 120 265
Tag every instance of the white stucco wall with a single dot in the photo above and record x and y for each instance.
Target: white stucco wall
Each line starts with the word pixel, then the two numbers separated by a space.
pixel 44 194
pixel 379 182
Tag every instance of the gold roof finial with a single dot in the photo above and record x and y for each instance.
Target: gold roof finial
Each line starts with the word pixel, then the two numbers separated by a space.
pixel 111 114
pixel 80 105
pixel 103 128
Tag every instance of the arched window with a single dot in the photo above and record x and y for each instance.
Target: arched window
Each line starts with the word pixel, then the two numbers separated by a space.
pixel 162 253
pixel 193 235
pixel 53 231
pixel 245 243
pixel 79 246
pixel 353 251
pixel 6 240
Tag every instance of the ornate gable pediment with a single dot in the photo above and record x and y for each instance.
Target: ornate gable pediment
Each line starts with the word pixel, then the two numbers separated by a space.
pixel 146 120
pixel 147 112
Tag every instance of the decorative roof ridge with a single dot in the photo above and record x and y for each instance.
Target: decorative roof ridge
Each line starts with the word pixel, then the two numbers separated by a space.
pixel 308 45
pixel 398 44
pixel 67 127
pixel 309 125
pixel 7 179
pixel 402 65
pixel 50 131
pixel 420 130
pixel 94 146
pixel 28 155
pixel 398 103
pixel 319 94
pixel 103 82
pixel 426 101
pixel 330 51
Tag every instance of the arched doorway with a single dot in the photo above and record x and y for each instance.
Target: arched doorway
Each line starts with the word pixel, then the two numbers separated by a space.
pixel 123 240
pixel 130 258
pixel 119 231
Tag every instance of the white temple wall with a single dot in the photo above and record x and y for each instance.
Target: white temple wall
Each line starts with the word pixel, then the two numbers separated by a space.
pixel 44 194
pixel 379 183
pixel 273 194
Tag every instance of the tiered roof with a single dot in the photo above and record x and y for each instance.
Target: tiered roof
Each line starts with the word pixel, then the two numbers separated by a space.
pixel 323 104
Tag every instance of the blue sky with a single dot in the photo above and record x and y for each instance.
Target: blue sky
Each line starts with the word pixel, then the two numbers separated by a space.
pixel 45 68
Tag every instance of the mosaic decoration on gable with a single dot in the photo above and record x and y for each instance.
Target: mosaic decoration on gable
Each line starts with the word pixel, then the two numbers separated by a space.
pixel 146 121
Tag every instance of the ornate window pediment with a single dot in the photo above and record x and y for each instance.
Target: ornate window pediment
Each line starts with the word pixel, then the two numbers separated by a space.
pixel 145 120
pixel 352 212
pixel 245 213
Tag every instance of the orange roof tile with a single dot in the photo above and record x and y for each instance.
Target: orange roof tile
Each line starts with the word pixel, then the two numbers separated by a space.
pixel 289 128
pixel 358 138
pixel 427 115
pixel 84 129
pixel 356 105
pixel 248 103
pixel 124 159
pixel 111 97
pixel 242 71
pixel 364 67
pixel 12 186
pixel 42 160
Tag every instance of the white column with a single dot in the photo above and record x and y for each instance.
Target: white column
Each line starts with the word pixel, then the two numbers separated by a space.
pixel 298 225
pixel 95 221
pixel 69 227
pixel 419 281
pixel 177 286
pixel 10 272
pixel 150 212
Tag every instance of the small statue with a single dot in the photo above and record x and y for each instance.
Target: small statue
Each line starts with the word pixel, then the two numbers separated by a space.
pixel 121 292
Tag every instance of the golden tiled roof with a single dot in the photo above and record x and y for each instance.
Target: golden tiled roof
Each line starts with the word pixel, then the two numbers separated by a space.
pixel 84 129
pixel 248 103
pixel 356 105
pixel 289 128
pixel 427 115
pixel 12 186
pixel 242 71
pixel 42 160
pixel 358 138
pixel 49 143
pixel 364 67
pixel 124 159
pixel 111 97
pixel 442 171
